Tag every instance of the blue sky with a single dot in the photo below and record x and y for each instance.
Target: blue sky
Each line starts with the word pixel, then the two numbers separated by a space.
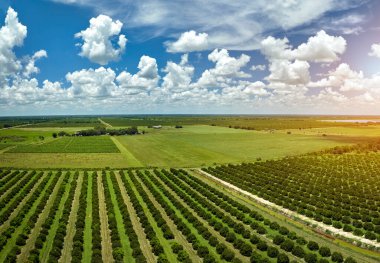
pixel 195 57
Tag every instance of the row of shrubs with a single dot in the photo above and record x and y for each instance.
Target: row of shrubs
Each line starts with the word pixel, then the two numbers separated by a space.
pixel 17 194
pixel 245 215
pixel 59 238
pixel 128 226
pixel 41 195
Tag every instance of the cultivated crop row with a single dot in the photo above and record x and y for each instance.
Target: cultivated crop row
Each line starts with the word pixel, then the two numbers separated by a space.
pixel 140 216
pixel 342 191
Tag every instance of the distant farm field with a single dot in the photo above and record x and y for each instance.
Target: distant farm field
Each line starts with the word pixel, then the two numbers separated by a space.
pixel 94 144
pixel 190 146
pixel 205 145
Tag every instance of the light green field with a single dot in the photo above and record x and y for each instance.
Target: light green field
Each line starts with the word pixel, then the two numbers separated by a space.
pixel 367 131
pixel 205 145
pixel 191 146
pixel 93 144
pixel 63 160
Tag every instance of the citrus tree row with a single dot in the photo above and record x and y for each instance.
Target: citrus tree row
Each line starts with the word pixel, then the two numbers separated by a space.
pixel 245 217
pixel 342 191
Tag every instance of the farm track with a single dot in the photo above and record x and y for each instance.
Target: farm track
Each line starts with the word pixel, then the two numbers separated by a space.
pixel 105 231
pixel 164 242
pixel 131 159
pixel 52 231
pixel 15 212
pixel 178 235
pixel 105 123
pixel 144 243
pixel 204 222
pixel 291 214
pixel 41 219
pixel 68 244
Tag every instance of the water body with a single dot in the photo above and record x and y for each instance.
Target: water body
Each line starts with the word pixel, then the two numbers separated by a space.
pixel 353 121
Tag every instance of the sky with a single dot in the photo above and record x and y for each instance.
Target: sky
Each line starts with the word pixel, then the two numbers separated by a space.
pixel 189 57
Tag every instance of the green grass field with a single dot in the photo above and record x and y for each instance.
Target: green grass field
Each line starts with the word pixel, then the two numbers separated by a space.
pixel 98 144
pixel 205 145
pixel 191 146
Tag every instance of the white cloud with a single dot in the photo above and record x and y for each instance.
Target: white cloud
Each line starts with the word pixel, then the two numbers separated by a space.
pixel 31 68
pixel 258 67
pixel 98 82
pixel 188 42
pixel 226 69
pixel 146 78
pixel 319 48
pixel 375 50
pixel 97 46
pixel 342 78
pixel 289 73
pixel 237 25
pixel 178 76
pixel 12 35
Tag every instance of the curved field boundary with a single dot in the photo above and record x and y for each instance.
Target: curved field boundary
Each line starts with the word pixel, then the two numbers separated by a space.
pixel 320 226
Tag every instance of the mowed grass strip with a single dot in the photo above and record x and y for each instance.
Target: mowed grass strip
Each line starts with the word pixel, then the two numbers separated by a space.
pixel 93 144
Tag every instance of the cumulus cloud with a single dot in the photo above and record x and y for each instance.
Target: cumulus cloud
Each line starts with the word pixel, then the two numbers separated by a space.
pixel 319 48
pixel 375 50
pixel 31 68
pixel 188 42
pixel 258 67
pixel 12 35
pixel 344 79
pixel 226 68
pixel 178 76
pixel 146 78
pixel 98 82
pixel 289 73
pixel 98 46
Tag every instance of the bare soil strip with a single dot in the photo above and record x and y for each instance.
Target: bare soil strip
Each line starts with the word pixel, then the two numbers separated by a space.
pixel 105 231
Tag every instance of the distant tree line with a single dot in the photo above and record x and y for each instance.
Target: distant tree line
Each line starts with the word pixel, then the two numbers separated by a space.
pixel 97 131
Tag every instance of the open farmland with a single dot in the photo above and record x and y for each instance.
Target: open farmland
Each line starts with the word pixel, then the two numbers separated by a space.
pixel 190 146
pixel 342 191
pixel 144 216
pixel 93 144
